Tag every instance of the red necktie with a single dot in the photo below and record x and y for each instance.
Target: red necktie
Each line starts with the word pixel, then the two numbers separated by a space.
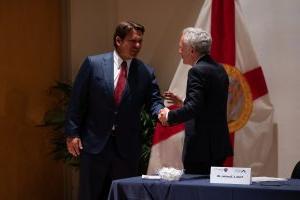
pixel 121 83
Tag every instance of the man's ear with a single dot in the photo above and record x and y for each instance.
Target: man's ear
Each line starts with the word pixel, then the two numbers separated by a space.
pixel 192 50
pixel 118 41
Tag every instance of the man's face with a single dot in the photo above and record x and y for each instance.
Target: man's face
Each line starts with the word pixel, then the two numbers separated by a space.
pixel 130 46
pixel 185 51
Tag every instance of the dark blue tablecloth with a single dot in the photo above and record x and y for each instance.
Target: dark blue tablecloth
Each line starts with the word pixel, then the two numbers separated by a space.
pixel 200 188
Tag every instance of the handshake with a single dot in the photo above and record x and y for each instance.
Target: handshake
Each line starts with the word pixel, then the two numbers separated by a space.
pixel 171 99
pixel 163 116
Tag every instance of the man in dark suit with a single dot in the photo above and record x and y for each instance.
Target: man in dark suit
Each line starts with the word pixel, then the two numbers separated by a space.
pixel 103 119
pixel 205 107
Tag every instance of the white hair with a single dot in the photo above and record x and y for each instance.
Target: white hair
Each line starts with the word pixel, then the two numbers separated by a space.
pixel 198 39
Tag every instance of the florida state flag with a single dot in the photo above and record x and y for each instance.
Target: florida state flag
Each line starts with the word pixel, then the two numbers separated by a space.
pixel 250 112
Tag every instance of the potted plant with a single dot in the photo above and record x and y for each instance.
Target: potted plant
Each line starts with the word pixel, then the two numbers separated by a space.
pixel 55 119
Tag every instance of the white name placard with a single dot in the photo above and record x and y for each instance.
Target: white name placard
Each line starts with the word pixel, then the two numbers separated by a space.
pixel 230 175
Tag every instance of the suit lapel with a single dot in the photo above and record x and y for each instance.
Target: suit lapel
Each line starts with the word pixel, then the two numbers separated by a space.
pixel 130 79
pixel 108 71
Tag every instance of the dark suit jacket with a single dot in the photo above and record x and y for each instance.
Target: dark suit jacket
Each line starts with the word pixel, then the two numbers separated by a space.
pixel 92 112
pixel 205 113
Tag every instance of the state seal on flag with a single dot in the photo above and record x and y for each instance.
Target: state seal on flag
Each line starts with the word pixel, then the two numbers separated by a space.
pixel 239 103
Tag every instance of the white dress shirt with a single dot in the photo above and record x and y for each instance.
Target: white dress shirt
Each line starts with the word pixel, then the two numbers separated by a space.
pixel 117 67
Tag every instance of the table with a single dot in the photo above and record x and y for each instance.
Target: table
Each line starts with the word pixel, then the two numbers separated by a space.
pixel 200 188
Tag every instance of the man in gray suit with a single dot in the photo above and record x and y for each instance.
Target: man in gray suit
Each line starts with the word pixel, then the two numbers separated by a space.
pixel 103 119
pixel 205 107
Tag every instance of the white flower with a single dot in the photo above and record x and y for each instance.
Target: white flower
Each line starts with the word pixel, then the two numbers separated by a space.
pixel 170 173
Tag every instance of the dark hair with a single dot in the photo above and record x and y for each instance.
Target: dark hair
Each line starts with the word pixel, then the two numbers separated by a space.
pixel 125 27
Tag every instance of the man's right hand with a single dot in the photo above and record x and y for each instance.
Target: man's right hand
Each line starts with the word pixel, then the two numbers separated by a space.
pixel 163 116
pixel 74 145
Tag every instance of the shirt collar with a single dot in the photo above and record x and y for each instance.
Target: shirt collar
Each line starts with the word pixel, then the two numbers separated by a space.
pixel 119 60
pixel 199 59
